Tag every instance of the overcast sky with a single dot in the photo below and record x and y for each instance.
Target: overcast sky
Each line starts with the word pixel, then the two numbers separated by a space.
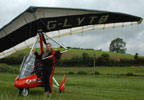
pixel 97 39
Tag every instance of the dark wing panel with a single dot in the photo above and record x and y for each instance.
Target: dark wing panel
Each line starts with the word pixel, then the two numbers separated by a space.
pixel 25 26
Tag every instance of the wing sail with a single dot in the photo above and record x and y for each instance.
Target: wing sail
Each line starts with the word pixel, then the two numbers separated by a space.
pixel 57 22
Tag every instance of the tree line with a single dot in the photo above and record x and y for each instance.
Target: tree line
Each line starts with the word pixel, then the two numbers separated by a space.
pixel 117 46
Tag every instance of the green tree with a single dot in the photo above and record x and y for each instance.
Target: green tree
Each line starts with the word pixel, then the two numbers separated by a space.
pixel 103 59
pixel 85 57
pixel 118 46
pixel 87 60
pixel 136 56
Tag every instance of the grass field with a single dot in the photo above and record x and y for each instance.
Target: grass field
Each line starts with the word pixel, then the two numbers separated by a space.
pixel 84 87
pixel 113 83
pixel 104 70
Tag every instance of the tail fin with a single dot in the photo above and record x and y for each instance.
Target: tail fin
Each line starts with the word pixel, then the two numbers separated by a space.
pixel 62 86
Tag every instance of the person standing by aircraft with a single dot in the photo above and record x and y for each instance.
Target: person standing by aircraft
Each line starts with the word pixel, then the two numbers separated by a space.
pixel 48 59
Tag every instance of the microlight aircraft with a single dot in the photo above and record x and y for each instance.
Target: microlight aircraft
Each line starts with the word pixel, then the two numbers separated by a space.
pixel 26 30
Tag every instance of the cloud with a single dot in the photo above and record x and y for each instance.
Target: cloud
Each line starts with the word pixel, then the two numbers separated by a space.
pixel 100 39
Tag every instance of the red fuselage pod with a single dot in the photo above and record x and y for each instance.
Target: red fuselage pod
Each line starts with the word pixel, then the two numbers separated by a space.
pixel 28 82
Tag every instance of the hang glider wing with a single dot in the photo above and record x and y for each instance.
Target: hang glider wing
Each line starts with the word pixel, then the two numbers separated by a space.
pixel 56 22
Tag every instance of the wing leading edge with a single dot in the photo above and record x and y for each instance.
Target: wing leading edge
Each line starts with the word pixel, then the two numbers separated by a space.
pixel 57 22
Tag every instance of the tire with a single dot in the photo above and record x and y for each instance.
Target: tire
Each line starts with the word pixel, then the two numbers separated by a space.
pixel 24 92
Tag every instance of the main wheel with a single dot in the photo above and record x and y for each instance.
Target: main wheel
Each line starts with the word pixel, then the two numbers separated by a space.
pixel 24 92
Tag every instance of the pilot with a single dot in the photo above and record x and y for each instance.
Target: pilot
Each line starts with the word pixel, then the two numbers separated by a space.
pixel 48 64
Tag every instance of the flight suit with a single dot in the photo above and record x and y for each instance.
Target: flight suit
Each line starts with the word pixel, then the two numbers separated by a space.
pixel 48 66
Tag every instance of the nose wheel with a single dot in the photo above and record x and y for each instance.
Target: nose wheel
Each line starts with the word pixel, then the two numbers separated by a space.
pixel 24 92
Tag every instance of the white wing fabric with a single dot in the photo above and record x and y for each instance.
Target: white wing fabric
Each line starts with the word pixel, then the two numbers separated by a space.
pixel 56 22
